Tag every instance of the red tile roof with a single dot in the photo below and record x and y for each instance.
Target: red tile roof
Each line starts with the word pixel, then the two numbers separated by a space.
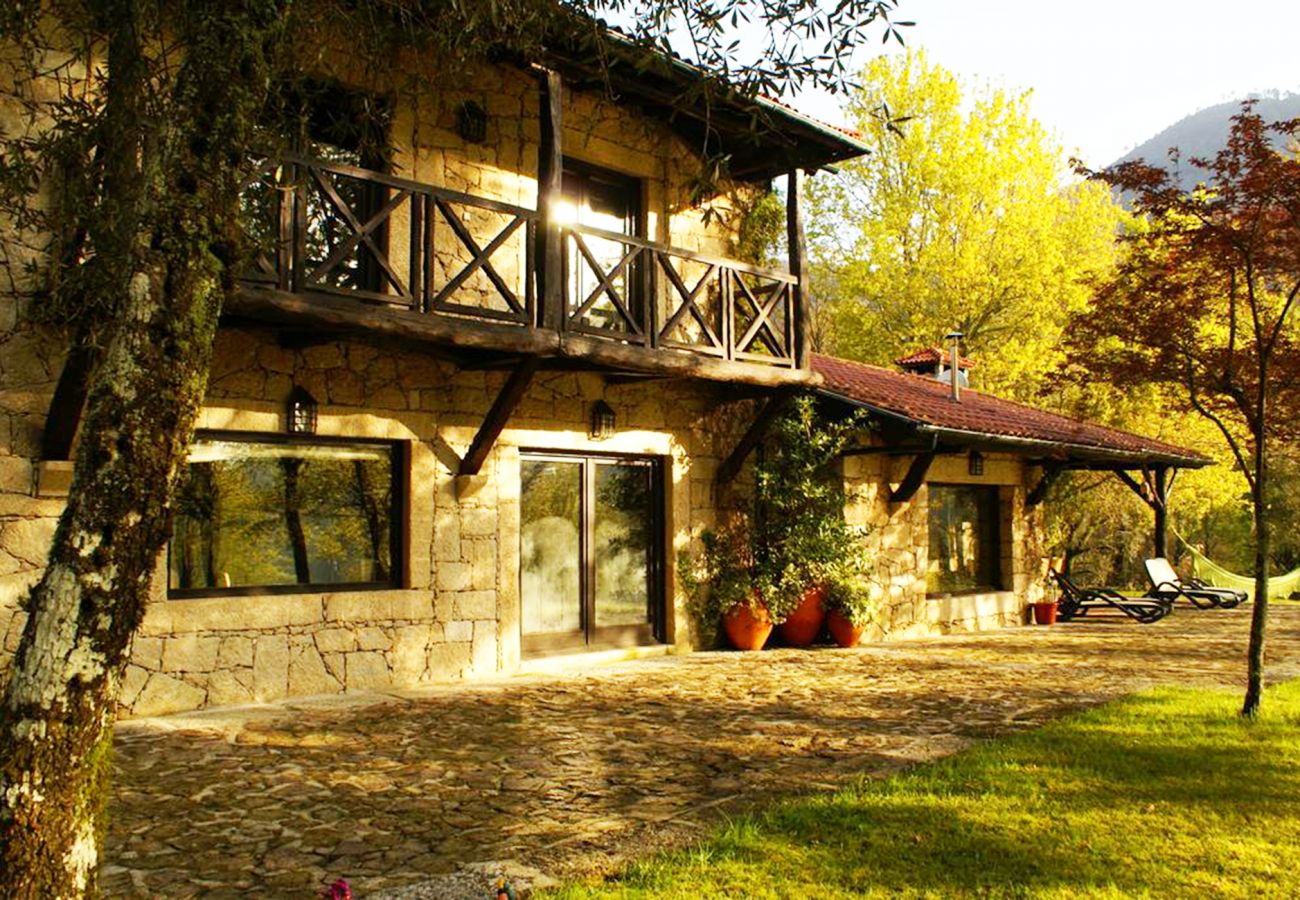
pixel 929 356
pixel 929 404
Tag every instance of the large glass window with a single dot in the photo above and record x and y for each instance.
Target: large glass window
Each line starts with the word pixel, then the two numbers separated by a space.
pixel 265 514
pixel 965 549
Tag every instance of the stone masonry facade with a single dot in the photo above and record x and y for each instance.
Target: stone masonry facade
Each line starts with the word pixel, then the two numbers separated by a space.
pixel 898 536
pixel 458 615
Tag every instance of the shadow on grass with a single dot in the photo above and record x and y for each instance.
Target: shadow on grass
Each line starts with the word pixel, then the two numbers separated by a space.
pixel 1164 793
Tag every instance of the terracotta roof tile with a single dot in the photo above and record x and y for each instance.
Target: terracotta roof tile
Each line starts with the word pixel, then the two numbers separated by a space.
pixel 929 403
pixel 929 356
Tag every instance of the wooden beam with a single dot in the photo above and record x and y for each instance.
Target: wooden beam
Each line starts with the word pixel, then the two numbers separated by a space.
pixel 511 393
pixel 550 183
pixel 771 410
pixel 798 258
pixel 1135 486
pixel 1039 491
pixel 681 364
pixel 1161 508
pixel 914 478
pixel 64 416
pixel 437 333
pixel 402 326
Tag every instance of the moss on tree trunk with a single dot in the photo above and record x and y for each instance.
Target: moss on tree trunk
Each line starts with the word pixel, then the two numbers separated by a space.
pixel 166 229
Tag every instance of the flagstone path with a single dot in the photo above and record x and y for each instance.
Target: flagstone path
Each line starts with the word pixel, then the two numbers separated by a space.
pixel 582 772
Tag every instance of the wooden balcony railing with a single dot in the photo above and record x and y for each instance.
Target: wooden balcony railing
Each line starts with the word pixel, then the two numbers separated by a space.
pixel 387 242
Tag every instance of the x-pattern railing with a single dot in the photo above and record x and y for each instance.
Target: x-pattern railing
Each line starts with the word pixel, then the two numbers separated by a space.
pixel 335 229
pixel 712 306
pixel 352 232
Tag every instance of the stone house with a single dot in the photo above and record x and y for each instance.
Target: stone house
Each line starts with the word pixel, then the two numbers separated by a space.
pixel 494 367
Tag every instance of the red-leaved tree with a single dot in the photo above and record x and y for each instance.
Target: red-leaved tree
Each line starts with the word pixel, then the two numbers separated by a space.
pixel 1204 300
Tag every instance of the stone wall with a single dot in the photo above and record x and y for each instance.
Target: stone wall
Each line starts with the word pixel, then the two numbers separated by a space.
pixel 898 536
pixel 460 615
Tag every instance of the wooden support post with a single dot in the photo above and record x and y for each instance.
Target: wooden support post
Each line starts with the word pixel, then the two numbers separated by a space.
pixel 798 258
pixel 1161 507
pixel 511 393
pixel 1154 492
pixel 774 407
pixel 914 478
pixel 550 183
pixel 64 417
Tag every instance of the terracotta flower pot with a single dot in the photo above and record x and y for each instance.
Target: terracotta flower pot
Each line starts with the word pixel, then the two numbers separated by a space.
pixel 747 629
pixel 803 625
pixel 1044 613
pixel 842 629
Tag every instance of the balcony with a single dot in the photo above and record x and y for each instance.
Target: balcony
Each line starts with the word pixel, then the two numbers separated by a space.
pixel 353 250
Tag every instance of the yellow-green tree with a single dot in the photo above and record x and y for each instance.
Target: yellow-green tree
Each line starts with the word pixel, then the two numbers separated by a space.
pixel 964 216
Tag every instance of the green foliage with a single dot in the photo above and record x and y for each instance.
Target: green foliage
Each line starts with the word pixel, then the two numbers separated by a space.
pixel 723 575
pixel 852 596
pixel 966 221
pixel 1163 794
pixel 801 538
pixel 762 223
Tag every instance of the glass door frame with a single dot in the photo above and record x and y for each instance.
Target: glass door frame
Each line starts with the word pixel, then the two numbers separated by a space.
pixel 588 635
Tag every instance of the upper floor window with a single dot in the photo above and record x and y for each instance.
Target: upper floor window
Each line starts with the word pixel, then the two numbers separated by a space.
pixel 965 544
pixel 604 293
pixel 264 513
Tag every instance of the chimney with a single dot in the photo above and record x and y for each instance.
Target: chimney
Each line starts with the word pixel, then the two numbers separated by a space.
pixel 954 363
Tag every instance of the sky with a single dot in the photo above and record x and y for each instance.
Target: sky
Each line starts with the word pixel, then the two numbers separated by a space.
pixel 1105 75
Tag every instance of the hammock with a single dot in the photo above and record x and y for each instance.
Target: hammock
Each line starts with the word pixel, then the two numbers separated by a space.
pixel 1214 574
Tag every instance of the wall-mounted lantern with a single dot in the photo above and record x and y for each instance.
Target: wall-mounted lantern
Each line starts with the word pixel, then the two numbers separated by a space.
pixel 300 412
pixel 602 421
pixel 471 122
pixel 975 463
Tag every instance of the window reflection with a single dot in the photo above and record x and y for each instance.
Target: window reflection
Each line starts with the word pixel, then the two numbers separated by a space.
pixel 270 514
pixel 965 550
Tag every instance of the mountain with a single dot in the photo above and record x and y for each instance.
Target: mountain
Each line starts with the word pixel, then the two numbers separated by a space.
pixel 1205 132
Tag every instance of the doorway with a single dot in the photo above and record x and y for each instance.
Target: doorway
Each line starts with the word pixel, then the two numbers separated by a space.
pixel 590 551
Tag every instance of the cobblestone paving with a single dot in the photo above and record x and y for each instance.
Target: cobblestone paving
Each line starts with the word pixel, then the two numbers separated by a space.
pixel 580 772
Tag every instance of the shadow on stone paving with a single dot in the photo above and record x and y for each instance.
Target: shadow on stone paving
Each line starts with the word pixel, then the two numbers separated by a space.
pixel 580 774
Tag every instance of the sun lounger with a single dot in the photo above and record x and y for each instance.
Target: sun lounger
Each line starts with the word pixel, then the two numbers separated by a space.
pixel 1077 602
pixel 1166 583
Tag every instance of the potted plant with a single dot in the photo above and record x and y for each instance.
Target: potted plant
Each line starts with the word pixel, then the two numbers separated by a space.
pixel 723 584
pixel 801 537
pixel 851 607
pixel 1044 611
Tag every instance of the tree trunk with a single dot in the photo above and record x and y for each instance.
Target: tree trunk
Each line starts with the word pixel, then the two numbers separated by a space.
pixel 1259 611
pixel 293 520
pixel 168 232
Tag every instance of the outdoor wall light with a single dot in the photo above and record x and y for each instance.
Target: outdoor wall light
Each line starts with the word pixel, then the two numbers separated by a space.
pixel 300 414
pixel 975 463
pixel 602 421
pixel 471 122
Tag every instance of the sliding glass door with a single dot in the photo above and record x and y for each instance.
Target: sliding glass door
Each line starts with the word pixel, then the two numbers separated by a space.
pixel 590 550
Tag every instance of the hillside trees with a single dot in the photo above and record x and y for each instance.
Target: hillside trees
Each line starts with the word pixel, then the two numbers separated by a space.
pixel 963 218
pixel 129 130
pixel 1204 301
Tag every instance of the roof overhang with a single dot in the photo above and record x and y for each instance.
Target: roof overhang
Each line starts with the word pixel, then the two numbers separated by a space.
pixel 1062 454
pixel 762 137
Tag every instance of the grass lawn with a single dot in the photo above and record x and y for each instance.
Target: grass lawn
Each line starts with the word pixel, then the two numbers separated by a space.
pixel 1163 794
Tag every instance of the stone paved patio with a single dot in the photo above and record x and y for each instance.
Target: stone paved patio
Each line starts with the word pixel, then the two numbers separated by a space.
pixel 581 772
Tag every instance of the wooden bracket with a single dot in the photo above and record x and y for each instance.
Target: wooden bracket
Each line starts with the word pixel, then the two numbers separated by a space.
pixel 1139 488
pixel 1039 491
pixel 914 478
pixel 68 402
pixel 775 405
pixel 511 393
